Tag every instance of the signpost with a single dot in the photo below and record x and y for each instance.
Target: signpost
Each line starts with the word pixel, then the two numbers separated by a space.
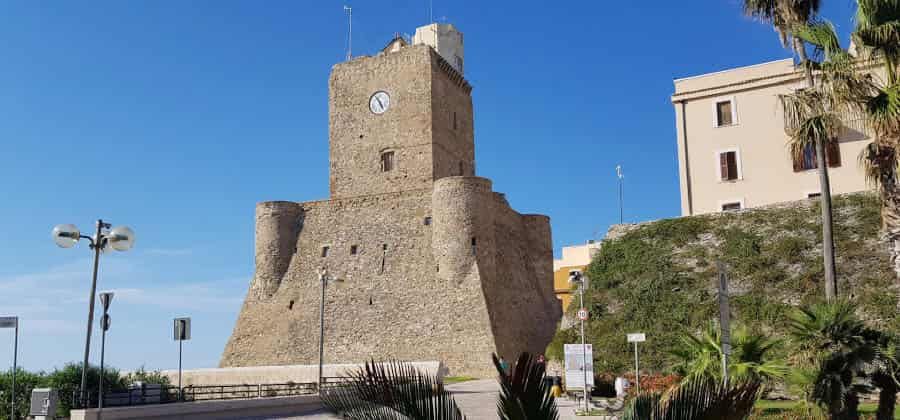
pixel 12 322
pixel 577 371
pixel 637 338
pixel 182 332
pixel 724 320
pixel 105 300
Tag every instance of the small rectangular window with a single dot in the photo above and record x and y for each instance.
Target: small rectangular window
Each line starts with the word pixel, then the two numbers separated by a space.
pixel 724 113
pixel 731 206
pixel 428 221
pixel 324 251
pixel 387 161
pixel 813 195
pixel 474 244
pixel 354 249
pixel 728 166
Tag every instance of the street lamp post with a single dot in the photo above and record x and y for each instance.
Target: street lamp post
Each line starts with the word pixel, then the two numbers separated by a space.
pixel 577 277
pixel 119 238
pixel 105 300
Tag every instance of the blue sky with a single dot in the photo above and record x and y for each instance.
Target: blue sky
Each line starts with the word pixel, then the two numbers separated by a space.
pixel 176 117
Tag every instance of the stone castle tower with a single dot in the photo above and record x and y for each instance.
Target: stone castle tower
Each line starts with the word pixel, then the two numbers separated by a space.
pixel 429 262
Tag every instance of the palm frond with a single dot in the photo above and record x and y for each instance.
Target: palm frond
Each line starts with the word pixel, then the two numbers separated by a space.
pixel 879 164
pixel 524 395
pixel 389 391
pixel 702 399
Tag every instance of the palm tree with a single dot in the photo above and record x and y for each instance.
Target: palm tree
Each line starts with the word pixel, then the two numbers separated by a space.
pixel 699 399
pixel 396 390
pixel 389 391
pixel 700 356
pixel 786 16
pixel 839 350
pixel 877 34
pixel 885 375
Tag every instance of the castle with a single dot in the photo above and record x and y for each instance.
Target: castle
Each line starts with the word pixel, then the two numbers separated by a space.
pixel 426 261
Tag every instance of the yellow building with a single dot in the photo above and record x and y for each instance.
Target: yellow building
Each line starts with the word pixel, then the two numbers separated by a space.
pixel 573 258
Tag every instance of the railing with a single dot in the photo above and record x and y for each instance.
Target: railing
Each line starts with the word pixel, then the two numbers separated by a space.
pixel 158 394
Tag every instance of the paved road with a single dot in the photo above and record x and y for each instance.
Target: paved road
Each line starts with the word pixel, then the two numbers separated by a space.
pixel 476 399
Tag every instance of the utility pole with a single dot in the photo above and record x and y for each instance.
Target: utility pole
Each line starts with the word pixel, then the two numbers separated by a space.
pixel 724 320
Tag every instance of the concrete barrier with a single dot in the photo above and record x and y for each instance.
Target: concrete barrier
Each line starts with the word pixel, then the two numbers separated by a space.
pixel 277 374
pixel 227 409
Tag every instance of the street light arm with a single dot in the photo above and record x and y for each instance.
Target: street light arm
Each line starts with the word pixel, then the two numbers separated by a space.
pixel 88 238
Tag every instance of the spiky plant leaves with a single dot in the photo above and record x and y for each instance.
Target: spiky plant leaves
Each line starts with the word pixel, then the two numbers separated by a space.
pixel 700 399
pixel 524 395
pixel 643 407
pixel 387 391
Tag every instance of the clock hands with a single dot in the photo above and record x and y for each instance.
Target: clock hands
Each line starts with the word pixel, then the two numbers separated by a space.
pixel 379 102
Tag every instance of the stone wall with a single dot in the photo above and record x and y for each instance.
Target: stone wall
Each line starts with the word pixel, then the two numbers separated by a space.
pixel 413 290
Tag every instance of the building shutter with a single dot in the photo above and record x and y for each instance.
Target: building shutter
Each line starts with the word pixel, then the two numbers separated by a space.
pixel 723 165
pixel 732 165
pixel 833 154
pixel 798 162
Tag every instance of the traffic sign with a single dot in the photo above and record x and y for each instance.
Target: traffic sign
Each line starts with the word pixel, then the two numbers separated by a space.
pixel 9 322
pixel 583 314
pixel 182 329
pixel 637 338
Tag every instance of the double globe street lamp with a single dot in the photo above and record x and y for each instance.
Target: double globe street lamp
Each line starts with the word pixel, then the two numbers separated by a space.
pixel 119 238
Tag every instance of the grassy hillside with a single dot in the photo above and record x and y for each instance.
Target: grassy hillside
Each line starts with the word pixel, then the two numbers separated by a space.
pixel 660 277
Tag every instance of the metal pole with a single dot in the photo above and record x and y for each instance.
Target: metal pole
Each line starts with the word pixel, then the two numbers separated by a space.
pixel 98 245
pixel 102 358
pixel 323 279
pixel 621 202
pixel 637 373
pixel 179 369
pixel 12 409
pixel 584 352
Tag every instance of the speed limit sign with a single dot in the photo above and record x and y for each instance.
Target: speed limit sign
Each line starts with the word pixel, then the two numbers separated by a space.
pixel 583 314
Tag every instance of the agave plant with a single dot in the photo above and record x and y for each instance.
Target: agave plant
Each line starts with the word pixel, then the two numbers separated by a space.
pixel 393 390
pixel 699 399
pixel 524 395
pixel 396 390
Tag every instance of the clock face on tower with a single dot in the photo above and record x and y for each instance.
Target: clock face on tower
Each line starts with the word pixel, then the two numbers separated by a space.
pixel 379 102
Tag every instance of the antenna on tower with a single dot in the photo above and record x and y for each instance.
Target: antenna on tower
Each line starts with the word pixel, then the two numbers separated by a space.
pixel 430 11
pixel 349 31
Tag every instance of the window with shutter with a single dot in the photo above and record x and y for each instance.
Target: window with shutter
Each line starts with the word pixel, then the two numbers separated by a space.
pixel 728 166
pixel 807 160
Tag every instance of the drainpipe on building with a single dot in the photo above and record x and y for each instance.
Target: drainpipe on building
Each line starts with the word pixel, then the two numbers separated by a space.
pixel 687 164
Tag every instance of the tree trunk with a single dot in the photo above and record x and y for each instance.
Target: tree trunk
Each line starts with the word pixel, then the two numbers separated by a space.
pixel 890 208
pixel 887 399
pixel 827 224
pixel 825 191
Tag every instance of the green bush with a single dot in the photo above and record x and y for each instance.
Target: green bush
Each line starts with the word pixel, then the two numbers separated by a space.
pixel 660 278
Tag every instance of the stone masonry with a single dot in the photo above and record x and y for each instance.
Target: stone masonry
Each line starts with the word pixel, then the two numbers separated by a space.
pixel 427 261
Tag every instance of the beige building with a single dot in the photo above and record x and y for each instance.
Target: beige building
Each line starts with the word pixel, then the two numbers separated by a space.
pixel 576 257
pixel 732 149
